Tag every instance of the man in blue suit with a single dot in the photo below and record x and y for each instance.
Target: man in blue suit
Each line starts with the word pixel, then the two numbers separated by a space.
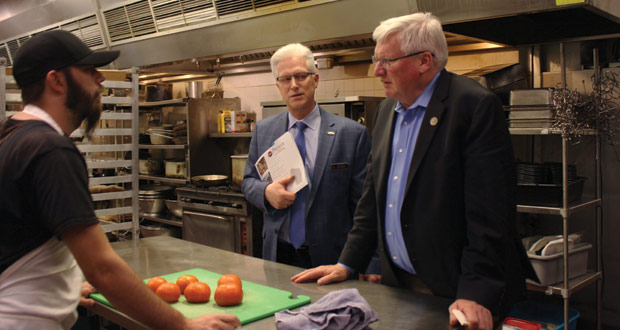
pixel 309 228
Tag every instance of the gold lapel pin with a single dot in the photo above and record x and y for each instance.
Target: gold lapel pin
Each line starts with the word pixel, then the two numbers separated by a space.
pixel 434 121
pixel 331 133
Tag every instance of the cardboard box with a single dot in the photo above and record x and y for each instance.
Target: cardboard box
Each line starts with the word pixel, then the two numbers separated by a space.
pixel 238 122
pixel 114 75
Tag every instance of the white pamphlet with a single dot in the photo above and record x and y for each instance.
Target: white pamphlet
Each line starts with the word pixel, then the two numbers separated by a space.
pixel 282 160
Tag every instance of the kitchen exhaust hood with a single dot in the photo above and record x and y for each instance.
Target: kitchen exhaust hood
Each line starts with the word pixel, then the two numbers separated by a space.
pixel 527 22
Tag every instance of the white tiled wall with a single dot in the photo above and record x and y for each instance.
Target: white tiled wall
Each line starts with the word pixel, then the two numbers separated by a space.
pixel 342 80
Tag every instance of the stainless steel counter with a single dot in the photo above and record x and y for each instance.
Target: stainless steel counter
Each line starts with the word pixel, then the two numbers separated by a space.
pixel 396 308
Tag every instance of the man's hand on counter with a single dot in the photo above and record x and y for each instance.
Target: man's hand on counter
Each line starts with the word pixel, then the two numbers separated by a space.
pixel 277 195
pixel 372 278
pixel 325 274
pixel 214 321
pixel 478 317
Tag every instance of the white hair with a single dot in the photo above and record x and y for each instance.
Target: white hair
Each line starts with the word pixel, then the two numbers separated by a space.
pixel 416 32
pixel 291 50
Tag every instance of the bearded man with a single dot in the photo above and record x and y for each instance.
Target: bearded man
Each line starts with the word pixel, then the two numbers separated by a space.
pixel 49 233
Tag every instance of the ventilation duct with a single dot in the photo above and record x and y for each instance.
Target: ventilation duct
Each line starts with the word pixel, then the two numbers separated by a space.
pixel 144 19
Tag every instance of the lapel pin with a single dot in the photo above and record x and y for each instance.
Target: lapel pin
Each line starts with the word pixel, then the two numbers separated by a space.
pixel 434 121
pixel 331 133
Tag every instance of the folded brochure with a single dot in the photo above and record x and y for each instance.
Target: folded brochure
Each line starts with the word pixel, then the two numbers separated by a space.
pixel 282 160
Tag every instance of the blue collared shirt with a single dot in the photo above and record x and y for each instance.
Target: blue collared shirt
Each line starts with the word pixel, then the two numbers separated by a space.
pixel 311 135
pixel 406 130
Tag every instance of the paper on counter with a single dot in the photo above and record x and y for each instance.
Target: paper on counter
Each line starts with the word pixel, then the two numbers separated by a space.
pixel 282 160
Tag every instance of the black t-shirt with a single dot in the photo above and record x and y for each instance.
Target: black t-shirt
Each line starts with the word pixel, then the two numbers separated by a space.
pixel 43 187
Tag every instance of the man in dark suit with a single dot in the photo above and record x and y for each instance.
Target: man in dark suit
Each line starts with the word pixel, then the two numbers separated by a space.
pixel 309 228
pixel 439 197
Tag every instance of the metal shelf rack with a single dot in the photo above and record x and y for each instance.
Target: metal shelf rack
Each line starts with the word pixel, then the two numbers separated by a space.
pixel 155 106
pixel 108 149
pixel 568 286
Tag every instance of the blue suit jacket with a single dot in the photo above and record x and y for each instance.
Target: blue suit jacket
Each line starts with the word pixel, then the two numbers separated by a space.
pixel 339 172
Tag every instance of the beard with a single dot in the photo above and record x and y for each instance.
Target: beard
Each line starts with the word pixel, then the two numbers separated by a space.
pixel 84 107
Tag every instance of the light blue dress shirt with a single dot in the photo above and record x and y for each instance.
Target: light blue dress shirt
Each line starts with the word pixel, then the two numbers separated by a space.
pixel 311 135
pixel 406 130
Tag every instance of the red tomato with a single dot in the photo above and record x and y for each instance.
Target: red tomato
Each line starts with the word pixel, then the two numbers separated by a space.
pixel 184 280
pixel 230 279
pixel 155 282
pixel 169 292
pixel 228 295
pixel 197 292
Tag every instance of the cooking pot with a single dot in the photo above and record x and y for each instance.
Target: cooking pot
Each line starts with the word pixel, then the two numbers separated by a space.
pixel 160 134
pixel 238 167
pixel 158 138
pixel 152 205
pixel 175 169
pixel 209 180
pixel 149 167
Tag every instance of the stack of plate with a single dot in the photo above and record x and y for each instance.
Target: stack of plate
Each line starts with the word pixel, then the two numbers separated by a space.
pixel 545 173
pixel 555 172
pixel 531 173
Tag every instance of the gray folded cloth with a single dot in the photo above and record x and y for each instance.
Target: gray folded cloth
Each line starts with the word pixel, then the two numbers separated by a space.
pixel 341 309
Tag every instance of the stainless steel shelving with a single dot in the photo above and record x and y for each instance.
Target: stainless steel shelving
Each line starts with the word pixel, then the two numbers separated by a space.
pixel 568 286
pixel 572 208
pixel 231 135
pixel 158 106
pixel 164 179
pixel 109 152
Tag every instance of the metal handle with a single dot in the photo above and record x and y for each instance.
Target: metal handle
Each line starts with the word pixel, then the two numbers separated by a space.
pixel 207 215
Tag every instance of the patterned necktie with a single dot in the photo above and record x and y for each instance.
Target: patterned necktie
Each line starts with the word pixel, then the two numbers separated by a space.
pixel 297 231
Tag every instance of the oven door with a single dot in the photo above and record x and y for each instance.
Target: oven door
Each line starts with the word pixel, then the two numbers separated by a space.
pixel 218 231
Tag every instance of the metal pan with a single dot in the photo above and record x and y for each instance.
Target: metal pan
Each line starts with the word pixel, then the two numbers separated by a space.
pixel 209 180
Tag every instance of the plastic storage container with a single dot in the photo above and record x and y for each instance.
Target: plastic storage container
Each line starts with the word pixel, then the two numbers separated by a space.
pixel 550 269
pixel 511 323
pixel 544 313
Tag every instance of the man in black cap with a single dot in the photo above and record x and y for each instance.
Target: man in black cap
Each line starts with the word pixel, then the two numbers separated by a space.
pixel 48 223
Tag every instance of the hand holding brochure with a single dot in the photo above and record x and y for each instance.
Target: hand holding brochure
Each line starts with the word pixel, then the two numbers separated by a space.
pixel 282 160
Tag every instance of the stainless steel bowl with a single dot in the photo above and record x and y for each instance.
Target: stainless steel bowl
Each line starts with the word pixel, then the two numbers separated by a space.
pixel 152 205
pixel 175 209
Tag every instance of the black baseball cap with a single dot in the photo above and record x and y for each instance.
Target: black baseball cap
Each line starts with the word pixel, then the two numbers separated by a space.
pixel 54 50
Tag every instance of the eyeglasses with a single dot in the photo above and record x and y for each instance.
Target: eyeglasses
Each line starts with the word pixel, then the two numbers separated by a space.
pixel 386 62
pixel 299 78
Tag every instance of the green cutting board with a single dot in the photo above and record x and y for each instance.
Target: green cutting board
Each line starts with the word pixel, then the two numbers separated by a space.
pixel 259 301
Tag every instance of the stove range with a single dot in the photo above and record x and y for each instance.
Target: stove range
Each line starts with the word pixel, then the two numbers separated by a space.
pixel 220 217
pixel 223 199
